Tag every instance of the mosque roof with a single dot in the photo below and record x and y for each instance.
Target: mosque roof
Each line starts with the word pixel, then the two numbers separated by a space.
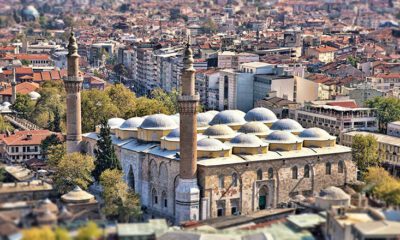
pixel 333 193
pixel 159 121
pixel 115 122
pixel 219 130
pixel 132 123
pixel 282 137
pixel 211 144
pixel 287 125
pixel 315 134
pixel 246 140
pixel 229 117
pixel 254 128
pixel 260 114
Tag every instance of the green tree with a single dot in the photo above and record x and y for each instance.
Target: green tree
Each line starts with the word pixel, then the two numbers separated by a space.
pixel 49 141
pixel 73 170
pixel 120 69
pixel 146 106
pixel 61 234
pixel 55 153
pixel 3 174
pixel 383 186
pixel 55 125
pixel 169 100
pixel 388 110
pixel 120 202
pixel 23 105
pixel 5 126
pixel 122 98
pixel 43 233
pixel 89 232
pixel 96 105
pixel 364 152
pixel 105 152
pixel 25 62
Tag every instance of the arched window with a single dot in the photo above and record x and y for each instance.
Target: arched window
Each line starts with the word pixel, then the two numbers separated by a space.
pixel 328 168
pixel 259 174
pixel 234 180
pixel 131 179
pixel 270 173
pixel 221 181
pixel 153 170
pixel 294 172
pixel 340 167
pixel 163 172
pixel 154 197
pixel 306 171
pixel 164 199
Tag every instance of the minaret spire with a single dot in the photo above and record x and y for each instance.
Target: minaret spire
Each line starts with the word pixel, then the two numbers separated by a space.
pixel 73 85
pixel 187 191
pixel 13 88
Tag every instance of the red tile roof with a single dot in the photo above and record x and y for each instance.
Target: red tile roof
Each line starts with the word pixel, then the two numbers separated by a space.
pixel 21 137
pixel 346 104
pixel 22 88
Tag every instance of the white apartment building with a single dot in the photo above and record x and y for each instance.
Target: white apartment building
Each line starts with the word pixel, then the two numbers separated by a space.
pixel 228 59
pixel 384 81
pixel 393 129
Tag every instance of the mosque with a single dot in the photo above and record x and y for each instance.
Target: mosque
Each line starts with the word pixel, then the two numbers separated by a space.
pixel 195 166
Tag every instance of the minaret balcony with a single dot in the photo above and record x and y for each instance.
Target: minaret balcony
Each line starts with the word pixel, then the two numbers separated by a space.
pixel 188 98
pixel 73 79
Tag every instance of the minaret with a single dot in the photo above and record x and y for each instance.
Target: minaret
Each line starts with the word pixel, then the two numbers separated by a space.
pixel 187 191
pixel 73 85
pixel 13 88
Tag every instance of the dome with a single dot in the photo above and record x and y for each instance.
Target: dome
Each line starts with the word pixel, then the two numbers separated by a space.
pixel 115 122
pixel 282 137
pixel 254 128
pixel 34 95
pixel 159 121
pixel 5 104
pixel 247 140
pixel 176 118
pixel 30 13
pixel 203 119
pixel 77 195
pixel 229 117
pixel 212 112
pixel 333 193
pixel 173 135
pixel 210 144
pixel 315 134
pixel 260 114
pixel 219 130
pixel 287 125
pixel 132 123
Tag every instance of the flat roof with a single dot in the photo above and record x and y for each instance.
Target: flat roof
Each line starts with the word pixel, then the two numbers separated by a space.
pixel 378 228
pixel 382 138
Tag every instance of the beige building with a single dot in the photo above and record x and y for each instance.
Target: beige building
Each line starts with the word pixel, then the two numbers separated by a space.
pixel 325 54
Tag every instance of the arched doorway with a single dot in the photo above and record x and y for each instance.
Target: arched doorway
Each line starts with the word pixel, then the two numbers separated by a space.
pixel 131 179
pixel 263 198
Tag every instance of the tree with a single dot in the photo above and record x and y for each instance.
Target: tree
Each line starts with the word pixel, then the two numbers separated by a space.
pixel 73 170
pixel 55 153
pixel 49 141
pixel 388 110
pixel 121 203
pixel 61 234
pixel 89 232
pixel 383 186
pixel 120 69
pixel 5 126
pixel 3 175
pixel 23 105
pixel 96 105
pixel 364 152
pixel 146 106
pixel 56 123
pixel 105 152
pixel 43 233
pixel 122 98
pixel 169 100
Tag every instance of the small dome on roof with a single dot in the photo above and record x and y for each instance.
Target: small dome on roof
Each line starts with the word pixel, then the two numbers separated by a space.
pixel 34 95
pixel 30 12
pixel 173 135
pixel 315 133
pixel 176 118
pixel 282 137
pixel 260 114
pixel 333 193
pixel 77 195
pixel 254 128
pixel 229 117
pixel 159 121
pixel 287 125
pixel 115 122
pixel 203 119
pixel 247 140
pixel 212 112
pixel 132 123
pixel 6 104
pixel 211 144
pixel 219 130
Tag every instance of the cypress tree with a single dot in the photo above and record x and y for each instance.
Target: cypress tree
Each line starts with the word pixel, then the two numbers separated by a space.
pixel 105 152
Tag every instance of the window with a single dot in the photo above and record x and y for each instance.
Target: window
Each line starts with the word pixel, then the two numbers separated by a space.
pixel 328 168
pixel 259 174
pixel 164 200
pixel 221 181
pixel 220 208
pixel 294 172
pixel 340 167
pixel 270 173
pixel 155 197
pixel 306 171
pixel 234 180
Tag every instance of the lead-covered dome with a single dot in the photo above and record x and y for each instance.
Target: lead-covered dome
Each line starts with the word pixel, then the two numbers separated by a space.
pixel 212 112
pixel 211 144
pixel 219 130
pixel 315 134
pixel 203 119
pixel 114 123
pixel 173 135
pixel 282 137
pixel 287 124
pixel 229 117
pixel 131 123
pixel 260 114
pixel 333 193
pixel 256 128
pixel 159 121
pixel 246 140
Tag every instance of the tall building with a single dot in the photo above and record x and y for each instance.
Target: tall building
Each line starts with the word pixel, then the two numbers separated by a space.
pixel 73 86
pixel 187 192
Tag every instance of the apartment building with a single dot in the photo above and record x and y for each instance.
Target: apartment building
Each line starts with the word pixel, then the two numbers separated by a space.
pixel 336 116
pixel 385 81
pixel 393 129
pixel 207 82
pixel 325 54
pixel 228 59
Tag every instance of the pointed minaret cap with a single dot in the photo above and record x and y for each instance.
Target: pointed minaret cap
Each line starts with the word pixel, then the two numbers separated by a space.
pixel 188 57
pixel 72 45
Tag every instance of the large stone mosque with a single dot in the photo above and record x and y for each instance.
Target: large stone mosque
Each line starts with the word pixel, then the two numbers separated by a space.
pixel 195 166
